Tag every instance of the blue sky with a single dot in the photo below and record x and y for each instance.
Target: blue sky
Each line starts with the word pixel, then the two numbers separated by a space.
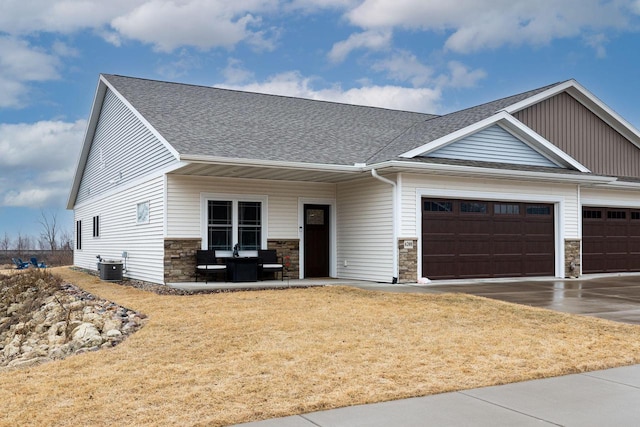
pixel 431 56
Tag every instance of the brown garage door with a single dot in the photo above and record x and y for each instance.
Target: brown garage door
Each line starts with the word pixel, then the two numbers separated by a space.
pixel 475 239
pixel 610 240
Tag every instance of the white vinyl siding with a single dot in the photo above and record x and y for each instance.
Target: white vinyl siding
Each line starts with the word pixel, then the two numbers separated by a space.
pixel 612 198
pixel 493 144
pixel 365 231
pixel 123 149
pixel 184 198
pixel 120 231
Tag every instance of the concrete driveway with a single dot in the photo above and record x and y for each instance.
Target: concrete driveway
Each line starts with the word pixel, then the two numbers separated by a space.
pixel 609 297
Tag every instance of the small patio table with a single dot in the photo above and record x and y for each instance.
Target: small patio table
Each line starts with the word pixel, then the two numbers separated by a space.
pixel 242 269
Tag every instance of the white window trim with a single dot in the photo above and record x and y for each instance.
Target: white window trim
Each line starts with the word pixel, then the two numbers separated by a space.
pixel 234 199
pixel 557 200
pixel 146 220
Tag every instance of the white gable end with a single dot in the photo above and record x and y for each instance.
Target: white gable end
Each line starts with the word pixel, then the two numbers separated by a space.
pixel 493 144
pixel 123 149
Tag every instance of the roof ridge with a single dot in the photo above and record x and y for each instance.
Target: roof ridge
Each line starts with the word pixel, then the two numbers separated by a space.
pixel 272 95
pixel 539 89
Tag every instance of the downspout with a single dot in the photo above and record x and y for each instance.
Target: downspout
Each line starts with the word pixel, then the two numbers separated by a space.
pixel 579 213
pixel 374 174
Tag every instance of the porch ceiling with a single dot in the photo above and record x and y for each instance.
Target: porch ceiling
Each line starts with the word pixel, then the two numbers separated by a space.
pixel 262 172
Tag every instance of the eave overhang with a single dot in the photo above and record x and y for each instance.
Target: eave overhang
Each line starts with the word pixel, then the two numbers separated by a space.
pixel 399 166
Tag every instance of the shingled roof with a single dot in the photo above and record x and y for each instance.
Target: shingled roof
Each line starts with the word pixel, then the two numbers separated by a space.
pixel 222 123
pixel 430 130
pixel 206 121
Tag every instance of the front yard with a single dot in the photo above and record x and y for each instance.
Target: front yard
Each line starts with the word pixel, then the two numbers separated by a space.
pixel 217 359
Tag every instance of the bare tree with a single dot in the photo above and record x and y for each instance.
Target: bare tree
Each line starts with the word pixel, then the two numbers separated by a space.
pixel 23 243
pixel 66 240
pixel 49 229
pixel 5 242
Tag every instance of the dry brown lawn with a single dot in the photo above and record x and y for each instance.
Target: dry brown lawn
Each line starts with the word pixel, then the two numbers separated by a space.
pixel 227 358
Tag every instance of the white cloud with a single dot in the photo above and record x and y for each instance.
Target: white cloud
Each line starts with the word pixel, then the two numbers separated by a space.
pixel 373 40
pixel 311 6
pixel 21 63
pixel 597 42
pixel 185 62
pixel 165 24
pixel 60 16
pixel 395 97
pixel 200 23
pixel 35 197
pixel 485 24
pixel 38 162
pixel 234 73
pixel 11 92
pixel 405 66
pixel 64 50
pixel 460 76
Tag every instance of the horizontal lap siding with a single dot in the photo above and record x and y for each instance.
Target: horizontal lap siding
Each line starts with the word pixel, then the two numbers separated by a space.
pixel 123 150
pixel 493 144
pixel 595 197
pixel 183 195
pixel 412 183
pixel 120 232
pixel 365 231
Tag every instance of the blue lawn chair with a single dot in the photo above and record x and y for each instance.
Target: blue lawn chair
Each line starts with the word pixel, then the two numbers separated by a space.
pixel 35 263
pixel 20 265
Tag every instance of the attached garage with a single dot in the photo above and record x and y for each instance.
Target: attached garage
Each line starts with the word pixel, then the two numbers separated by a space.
pixel 480 239
pixel 610 240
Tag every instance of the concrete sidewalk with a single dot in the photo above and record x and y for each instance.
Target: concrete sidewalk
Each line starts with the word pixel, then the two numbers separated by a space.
pixel 602 398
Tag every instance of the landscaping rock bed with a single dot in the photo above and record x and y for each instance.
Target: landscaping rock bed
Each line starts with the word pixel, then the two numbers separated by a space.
pixel 43 319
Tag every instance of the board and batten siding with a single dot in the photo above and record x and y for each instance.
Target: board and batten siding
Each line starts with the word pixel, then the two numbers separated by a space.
pixel 477 188
pixel 123 150
pixel 365 231
pixel 183 202
pixel 119 231
pixel 584 136
pixel 493 144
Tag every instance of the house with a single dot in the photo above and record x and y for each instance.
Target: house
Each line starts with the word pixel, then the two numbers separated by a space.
pixel 542 183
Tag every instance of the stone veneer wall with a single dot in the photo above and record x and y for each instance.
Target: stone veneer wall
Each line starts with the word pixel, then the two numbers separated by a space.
pixel 180 259
pixel 407 261
pixel 290 248
pixel 572 266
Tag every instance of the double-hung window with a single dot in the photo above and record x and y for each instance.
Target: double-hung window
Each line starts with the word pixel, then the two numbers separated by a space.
pixel 235 220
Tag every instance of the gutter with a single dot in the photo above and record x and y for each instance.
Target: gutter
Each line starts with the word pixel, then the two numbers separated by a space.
pixel 476 171
pixel 393 184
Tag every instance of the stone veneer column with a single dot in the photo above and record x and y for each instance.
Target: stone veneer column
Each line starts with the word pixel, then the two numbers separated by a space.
pixel 288 248
pixel 180 259
pixel 408 261
pixel 572 267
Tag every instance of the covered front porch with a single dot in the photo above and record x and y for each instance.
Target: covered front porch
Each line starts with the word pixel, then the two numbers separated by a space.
pixel 323 220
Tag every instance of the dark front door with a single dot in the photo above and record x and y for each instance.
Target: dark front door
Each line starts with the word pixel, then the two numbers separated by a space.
pixel 316 241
